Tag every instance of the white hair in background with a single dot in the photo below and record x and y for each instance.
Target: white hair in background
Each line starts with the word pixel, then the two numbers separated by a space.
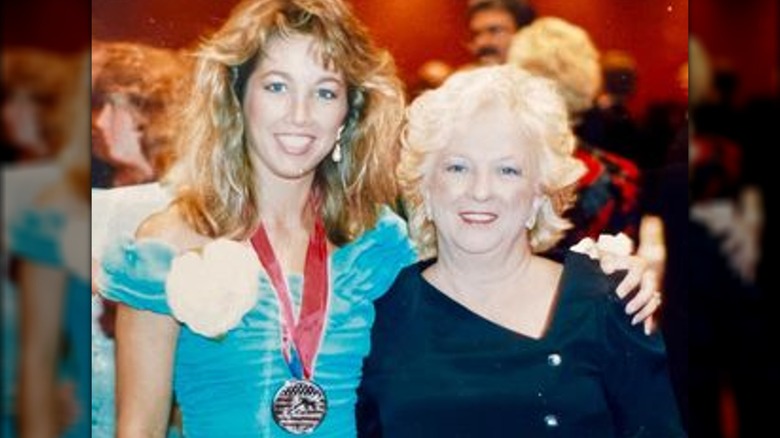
pixel 561 51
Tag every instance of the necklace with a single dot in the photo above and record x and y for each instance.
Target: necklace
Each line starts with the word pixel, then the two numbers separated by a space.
pixel 300 404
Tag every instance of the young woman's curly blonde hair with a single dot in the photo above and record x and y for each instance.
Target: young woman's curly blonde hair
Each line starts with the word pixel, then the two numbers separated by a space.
pixel 556 49
pixel 540 116
pixel 217 191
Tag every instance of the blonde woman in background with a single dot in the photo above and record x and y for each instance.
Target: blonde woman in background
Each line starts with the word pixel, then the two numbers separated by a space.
pixel 50 238
pixel 35 87
pixel 137 95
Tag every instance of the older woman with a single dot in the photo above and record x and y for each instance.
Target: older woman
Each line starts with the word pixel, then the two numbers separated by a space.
pixel 484 336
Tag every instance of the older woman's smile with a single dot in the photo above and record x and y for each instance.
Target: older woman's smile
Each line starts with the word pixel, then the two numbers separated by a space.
pixel 477 217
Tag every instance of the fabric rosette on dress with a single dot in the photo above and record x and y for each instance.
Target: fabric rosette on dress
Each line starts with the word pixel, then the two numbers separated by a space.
pixel 212 289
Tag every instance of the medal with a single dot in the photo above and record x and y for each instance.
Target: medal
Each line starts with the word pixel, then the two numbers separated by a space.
pixel 299 405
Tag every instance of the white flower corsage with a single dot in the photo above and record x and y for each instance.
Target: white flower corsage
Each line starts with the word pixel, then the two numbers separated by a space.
pixel 211 291
pixel 75 247
pixel 619 244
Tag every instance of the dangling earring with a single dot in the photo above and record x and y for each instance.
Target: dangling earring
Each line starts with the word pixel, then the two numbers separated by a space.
pixel 336 155
pixel 535 206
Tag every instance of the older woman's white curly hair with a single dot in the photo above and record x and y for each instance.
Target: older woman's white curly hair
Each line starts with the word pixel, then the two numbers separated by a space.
pixel 541 117
pixel 556 49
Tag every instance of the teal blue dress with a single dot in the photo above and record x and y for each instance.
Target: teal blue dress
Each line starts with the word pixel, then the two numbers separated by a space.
pixel 225 386
pixel 37 236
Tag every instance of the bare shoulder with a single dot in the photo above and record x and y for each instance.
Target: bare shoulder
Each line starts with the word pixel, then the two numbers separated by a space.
pixel 170 227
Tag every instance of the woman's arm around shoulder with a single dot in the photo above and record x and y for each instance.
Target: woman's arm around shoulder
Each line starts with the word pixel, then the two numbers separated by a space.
pixel 636 376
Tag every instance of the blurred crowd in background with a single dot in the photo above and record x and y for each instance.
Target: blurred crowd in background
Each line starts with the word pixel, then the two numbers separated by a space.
pixel 684 174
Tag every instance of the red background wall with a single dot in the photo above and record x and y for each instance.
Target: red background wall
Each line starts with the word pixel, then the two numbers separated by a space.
pixel 744 32
pixel 655 32
pixel 61 25
pixel 414 31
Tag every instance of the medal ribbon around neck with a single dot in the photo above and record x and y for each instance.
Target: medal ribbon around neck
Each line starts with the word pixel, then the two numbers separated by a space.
pixel 301 340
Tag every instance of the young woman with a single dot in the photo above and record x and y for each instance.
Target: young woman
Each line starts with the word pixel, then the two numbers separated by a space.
pixel 286 145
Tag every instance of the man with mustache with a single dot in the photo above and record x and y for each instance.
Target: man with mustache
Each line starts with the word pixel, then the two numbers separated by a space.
pixel 492 23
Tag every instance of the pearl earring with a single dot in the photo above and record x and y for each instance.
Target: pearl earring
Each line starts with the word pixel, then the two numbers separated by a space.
pixel 336 155
pixel 531 221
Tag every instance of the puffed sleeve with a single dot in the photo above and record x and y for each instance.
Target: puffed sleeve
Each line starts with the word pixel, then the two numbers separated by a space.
pixel 36 234
pixel 119 211
pixel 636 376
pixel 133 272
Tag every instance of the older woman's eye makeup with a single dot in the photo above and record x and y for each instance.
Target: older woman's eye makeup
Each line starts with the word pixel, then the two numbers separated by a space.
pixel 507 170
pixel 455 168
pixel 455 165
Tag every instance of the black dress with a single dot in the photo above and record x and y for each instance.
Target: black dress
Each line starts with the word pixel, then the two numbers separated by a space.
pixel 437 369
